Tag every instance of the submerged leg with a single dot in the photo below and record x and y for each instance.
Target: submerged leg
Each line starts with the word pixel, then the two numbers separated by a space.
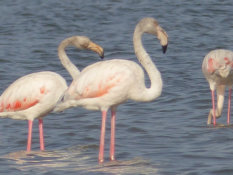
pixel 41 134
pixel 30 123
pixel 229 107
pixel 112 143
pixel 102 137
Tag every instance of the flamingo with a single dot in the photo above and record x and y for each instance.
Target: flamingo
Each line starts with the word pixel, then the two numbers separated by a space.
pixel 106 84
pixel 34 95
pixel 217 68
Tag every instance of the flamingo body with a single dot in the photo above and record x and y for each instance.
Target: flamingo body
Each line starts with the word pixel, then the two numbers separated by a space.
pixel 32 96
pixel 217 67
pixel 107 84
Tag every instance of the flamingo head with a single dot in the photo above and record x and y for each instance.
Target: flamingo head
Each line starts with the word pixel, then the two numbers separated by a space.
pixel 83 42
pixel 151 26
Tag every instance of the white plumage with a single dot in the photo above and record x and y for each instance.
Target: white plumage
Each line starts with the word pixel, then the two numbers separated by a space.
pixel 107 84
pixel 218 69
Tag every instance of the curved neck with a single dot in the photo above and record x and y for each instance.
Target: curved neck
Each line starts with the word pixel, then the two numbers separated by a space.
pixel 155 89
pixel 69 66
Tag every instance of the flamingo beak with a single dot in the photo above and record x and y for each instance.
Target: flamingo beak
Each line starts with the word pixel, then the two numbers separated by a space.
pixel 164 48
pixel 102 55
pixel 96 48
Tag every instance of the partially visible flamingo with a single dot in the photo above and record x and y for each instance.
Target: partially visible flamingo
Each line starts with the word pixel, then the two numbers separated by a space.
pixel 35 95
pixel 107 84
pixel 218 69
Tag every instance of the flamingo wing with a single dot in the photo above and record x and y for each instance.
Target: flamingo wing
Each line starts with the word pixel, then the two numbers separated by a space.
pixel 100 79
pixel 22 94
pixel 30 90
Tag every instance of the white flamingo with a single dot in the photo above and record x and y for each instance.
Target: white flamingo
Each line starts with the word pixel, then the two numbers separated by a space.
pixel 107 84
pixel 35 95
pixel 218 69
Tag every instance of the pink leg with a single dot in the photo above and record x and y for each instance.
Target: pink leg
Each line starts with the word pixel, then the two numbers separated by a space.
pixel 112 143
pixel 102 136
pixel 41 134
pixel 229 107
pixel 213 104
pixel 30 122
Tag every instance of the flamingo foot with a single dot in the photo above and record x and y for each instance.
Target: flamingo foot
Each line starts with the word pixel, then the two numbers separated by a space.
pixel 112 158
pixel 101 161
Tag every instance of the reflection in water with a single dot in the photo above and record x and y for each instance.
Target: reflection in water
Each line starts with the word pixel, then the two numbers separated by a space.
pixel 47 159
pixel 74 159
pixel 134 166
pixel 220 125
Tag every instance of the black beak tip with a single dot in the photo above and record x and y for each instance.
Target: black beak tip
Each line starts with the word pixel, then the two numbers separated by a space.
pixel 102 56
pixel 164 48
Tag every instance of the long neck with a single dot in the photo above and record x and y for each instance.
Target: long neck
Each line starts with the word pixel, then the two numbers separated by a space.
pixel 69 66
pixel 148 94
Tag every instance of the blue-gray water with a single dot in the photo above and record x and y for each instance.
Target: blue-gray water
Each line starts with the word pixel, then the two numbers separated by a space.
pixel 166 136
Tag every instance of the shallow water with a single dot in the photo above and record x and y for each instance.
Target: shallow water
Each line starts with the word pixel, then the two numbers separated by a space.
pixel 166 136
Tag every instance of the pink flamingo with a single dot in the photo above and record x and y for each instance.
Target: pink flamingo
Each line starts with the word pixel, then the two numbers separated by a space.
pixel 35 95
pixel 107 84
pixel 217 67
